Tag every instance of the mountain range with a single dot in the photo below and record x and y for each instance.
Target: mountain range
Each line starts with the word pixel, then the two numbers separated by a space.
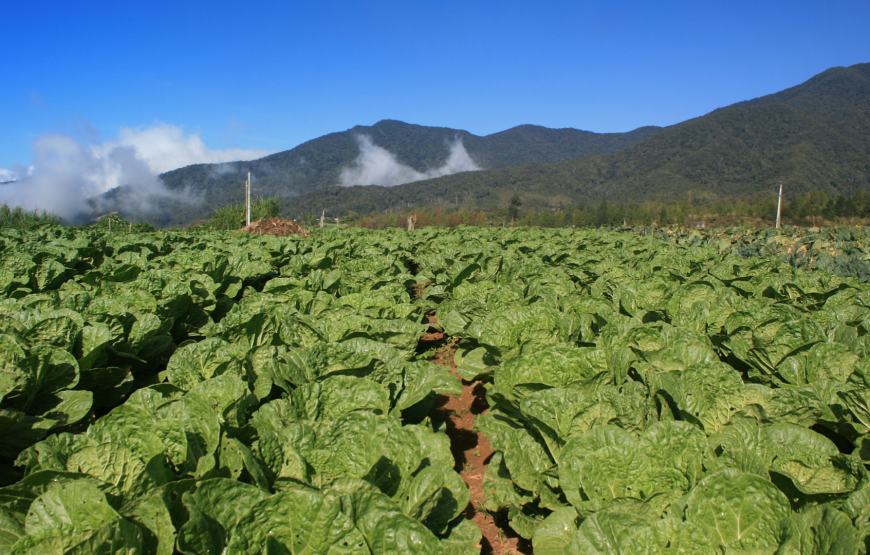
pixel 814 136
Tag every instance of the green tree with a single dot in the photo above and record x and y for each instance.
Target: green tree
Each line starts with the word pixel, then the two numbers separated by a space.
pixel 514 207
pixel 349 217
pixel 603 215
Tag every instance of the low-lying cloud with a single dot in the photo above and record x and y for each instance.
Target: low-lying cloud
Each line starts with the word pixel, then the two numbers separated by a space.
pixel 66 172
pixel 378 166
pixel 8 175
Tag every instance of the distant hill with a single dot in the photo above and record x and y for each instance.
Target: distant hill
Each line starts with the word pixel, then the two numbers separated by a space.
pixel 815 136
pixel 317 164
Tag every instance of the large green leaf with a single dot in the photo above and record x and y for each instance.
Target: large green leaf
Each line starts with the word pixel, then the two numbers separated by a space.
pixel 509 329
pixel 380 520
pixel 196 362
pixel 38 378
pixel 76 516
pixel 613 534
pixel 337 395
pixel 455 316
pixel 674 446
pixel 201 533
pixel 434 496
pixel 423 378
pixel 562 413
pixel 462 539
pixel 401 334
pixel 681 349
pixel 501 491
pixel 553 536
pixel 823 530
pixel 11 530
pixel 473 362
pixel 375 448
pixel 129 476
pixel 19 431
pixel 135 423
pixel 154 519
pixel 216 508
pixel 554 366
pixel 739 511
pixel 810 460
pixel 192 425
pixel 58 331
pixel 710 394
pixel 302 521
pixel 358 357
pixel 68 407
pixel 823 361
pixel 154 421
pixel 527 461
pixel 581 456
pixel 227 396
pixel 609 463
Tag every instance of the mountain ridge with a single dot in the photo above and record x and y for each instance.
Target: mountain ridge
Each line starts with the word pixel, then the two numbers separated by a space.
pixel 317 164
pixel 813 136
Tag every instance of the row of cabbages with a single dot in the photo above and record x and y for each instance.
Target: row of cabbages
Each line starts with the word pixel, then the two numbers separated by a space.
pixel 660 398
pixel 174 392
pixel 842 251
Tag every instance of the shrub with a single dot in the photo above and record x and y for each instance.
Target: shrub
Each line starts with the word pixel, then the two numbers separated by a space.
pixel 233 216
pixel 19 218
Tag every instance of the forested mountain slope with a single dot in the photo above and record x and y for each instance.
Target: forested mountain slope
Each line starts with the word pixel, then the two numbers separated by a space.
pixel 815 136
pixel 318 163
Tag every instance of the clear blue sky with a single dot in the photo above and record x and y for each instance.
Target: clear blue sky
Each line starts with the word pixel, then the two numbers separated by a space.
pixel 272 75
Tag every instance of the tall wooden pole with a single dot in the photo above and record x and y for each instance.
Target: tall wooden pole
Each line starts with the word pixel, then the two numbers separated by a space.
pixel 248 199
pixel 779 205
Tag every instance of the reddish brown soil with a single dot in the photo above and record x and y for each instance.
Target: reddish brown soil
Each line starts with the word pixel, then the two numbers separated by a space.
pixel 274 226
pixel 471 450
pixel 418 290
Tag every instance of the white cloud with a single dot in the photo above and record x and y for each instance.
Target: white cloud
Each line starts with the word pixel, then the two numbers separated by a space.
pixel 7 175
pixel 378 166
pixel 66 172
pixel 165 147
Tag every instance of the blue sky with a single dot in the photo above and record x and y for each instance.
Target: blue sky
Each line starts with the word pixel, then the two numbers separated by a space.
pixel 269 76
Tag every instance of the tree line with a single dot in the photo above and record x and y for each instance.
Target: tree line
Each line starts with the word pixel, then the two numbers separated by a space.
pixel 810 209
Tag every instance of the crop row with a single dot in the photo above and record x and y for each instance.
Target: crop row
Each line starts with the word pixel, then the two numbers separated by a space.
pixel 840 251
pixel 654 397
pixel 168 393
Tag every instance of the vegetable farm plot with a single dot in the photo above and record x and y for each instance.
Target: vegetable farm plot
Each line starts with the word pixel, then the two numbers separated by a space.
pixel 217 393
pixel 841 251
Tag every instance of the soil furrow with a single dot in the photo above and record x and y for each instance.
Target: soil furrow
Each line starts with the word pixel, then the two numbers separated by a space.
pixel 471 450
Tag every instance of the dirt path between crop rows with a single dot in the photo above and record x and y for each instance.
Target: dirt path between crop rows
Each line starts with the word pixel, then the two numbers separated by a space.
pixel 471 450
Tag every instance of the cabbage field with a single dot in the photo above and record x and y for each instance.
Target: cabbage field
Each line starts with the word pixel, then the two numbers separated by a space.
pixel 841 251
pixel 181 392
